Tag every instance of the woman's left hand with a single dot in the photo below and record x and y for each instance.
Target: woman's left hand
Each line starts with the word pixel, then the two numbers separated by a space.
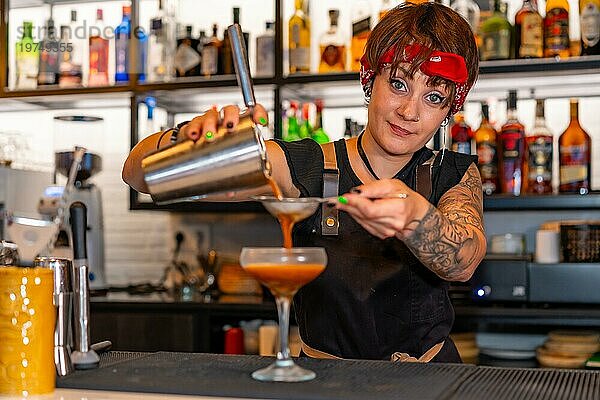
pixel 382 210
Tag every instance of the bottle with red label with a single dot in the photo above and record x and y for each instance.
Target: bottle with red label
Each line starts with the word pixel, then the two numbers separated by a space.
pixel 461 133
pixel 539 154
pixel 512 150
pixel 574 149
pixel 485 140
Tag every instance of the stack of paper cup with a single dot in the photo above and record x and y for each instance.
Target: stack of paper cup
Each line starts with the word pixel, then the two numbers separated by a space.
pixel 547 247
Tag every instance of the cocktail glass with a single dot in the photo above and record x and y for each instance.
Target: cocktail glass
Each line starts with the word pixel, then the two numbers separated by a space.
pixel 283 271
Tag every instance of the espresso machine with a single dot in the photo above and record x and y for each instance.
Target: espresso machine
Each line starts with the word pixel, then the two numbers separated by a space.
pixel 88 194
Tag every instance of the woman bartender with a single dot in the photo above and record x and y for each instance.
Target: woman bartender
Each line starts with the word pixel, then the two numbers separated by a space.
pixel 410 220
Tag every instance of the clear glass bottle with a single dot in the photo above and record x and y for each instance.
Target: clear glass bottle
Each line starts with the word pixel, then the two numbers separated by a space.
pixel 71 73
pixel 162 43
pixel 99 48
pixel 556 29
pixel 512 150
pixel 27 59
pixel 299 39
pixel 265 51
pixel 210 54
pixel 361 28
pixel 470 11
pixel 187 58
pixel 589 20
pixel 574 149
pixel 529 31
pixel 496 34
pixel 332 47
pixel 122 36
pixel 49 56
pixel 539 154
pixel 485 142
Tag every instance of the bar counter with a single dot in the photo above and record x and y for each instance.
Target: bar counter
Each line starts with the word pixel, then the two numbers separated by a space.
pixel 226 376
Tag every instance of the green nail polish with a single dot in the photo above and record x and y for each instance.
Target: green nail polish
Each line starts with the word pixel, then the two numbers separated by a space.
pixel 343 200
pixel 209 135
pixel 262 120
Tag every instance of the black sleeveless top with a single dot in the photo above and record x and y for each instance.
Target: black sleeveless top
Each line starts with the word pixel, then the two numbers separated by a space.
pixel 375 297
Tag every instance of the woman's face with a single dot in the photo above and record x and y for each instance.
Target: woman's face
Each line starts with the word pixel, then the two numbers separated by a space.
pixel 405 113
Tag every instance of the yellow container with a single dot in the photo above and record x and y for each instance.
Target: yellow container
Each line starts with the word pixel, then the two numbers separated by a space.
pixel 27 318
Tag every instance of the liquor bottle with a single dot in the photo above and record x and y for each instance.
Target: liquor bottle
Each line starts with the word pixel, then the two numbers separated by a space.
pixel 49 57
pixel 306 128
pixel 556 29
pixel 319 135
pixel 99 47
pixel 332 48
pixel 122 36
pixel 27 59
pixel 470 12
pixel 299 39
pixel 226 57
pixel 361 28
pixel 574 149
pixel 529 31
pixel 512 150
pixel 539 154
pixel 187 58
pixel 461 133
pixel 293 130
pixel 590 26
pixel 162 44
pixel 70 55
pixel 142 58
pixel 210 54
pixel 485 141
pixel 265 51
pixel 496 35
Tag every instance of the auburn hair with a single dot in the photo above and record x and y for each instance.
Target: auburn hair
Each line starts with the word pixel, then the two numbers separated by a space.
pixel 431 25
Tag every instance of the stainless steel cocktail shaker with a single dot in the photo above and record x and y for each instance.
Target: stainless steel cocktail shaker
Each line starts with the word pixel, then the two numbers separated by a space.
pixel 230 162
pixel 63 300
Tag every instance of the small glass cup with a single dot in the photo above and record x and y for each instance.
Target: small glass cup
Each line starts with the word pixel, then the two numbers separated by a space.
pixel 283 271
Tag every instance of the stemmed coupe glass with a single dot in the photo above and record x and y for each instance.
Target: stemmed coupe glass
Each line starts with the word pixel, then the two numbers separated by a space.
pixel 283 271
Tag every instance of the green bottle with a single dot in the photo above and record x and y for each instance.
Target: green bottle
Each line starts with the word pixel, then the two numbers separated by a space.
pixel 293 131
pixel 27 59
pixel 496 35
pixel 319 134
pixel 305 129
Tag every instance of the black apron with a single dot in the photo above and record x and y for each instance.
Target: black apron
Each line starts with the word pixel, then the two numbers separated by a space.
pixel 375 297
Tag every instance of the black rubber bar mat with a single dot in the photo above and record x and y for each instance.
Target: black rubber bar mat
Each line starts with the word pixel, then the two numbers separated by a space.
pixel 114 357
pixel 491 383
pixel 219 375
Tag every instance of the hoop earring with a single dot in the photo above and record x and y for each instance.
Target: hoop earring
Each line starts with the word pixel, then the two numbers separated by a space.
pixel 445 122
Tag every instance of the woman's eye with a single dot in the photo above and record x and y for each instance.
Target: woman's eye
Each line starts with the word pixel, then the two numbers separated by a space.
pixel 398 84
pixel 435 98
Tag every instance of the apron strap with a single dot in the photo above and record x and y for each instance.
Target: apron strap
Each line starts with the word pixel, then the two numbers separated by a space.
pixel 314 353
pixel 423 176
pixel 331 182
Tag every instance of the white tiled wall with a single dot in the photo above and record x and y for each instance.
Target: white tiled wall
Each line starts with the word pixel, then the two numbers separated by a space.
pixel 138 243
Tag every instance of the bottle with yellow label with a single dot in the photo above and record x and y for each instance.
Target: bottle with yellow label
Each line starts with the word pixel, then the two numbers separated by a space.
pixel 299 39
pixel 529 31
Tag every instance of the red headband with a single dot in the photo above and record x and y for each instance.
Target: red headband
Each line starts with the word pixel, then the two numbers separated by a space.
pixel 448 66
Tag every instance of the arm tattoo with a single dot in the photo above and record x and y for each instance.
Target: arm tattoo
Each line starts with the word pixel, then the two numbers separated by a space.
pixel 449 240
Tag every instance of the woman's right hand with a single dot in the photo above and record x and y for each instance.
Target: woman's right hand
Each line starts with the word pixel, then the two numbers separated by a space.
pixel 207 124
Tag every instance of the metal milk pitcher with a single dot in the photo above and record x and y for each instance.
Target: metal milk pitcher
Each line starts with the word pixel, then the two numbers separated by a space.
pixel 230 162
